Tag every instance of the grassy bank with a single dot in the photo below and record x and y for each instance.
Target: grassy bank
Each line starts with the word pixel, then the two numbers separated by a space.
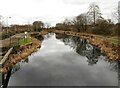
pixel 107 45
pixel 22 53
pixel 114 40
pixel 25 41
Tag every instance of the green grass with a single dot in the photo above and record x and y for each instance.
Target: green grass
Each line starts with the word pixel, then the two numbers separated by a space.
pixel 25 41
pixel 115 41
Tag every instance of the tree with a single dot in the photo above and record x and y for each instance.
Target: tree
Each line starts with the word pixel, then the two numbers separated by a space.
pixel 103 27
pixel 116 15
pixel 80 22
pixel 1 24
pixel 59 26
pixel 94 13
pixel 38 25
pixel 119 12
pixel 67 24
pixel 47 25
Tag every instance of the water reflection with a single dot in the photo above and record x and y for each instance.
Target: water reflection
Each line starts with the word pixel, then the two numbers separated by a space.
pixel 12 71
pixel 65 61
pixel 82 47
pixel 19 65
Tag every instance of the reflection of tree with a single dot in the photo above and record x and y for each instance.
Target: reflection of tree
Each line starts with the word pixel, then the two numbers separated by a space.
pixel 93 57
pixel 16 68
pixel 26 60
pixel 82 47
pixel 47 35
pixel 91 54
pixel 40 37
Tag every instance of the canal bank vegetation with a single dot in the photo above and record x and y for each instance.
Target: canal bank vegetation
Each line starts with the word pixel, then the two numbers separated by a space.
pixel 25 41
pixel 106 47
pixel 91 22
pixel 19 54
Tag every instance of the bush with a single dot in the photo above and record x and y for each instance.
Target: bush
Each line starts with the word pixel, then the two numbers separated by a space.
pixel 102 27
pixel 100 31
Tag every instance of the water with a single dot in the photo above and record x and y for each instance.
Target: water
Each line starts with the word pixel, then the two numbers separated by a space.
pixel 65 61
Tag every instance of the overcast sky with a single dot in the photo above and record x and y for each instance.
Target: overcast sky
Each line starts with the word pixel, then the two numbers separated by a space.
pixel 50 11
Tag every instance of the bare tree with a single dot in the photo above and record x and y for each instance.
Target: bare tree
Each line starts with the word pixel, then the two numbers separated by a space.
pixel 94 12
pixel 47 25
pixel 119 12
pixel 116 13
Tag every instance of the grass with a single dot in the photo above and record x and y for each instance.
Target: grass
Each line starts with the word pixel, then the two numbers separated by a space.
pixel 25 41
pixel 115 41
pixel 112 39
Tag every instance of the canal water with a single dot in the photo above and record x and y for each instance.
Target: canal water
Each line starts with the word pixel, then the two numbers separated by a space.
pixel 65 61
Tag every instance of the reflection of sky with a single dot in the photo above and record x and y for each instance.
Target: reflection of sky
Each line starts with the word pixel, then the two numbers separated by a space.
pixel 57 65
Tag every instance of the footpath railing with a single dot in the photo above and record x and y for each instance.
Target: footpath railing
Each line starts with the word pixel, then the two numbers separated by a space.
pixel 2 62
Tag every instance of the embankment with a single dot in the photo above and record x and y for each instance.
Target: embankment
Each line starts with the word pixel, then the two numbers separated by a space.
pixel 112 52
pixel 22 53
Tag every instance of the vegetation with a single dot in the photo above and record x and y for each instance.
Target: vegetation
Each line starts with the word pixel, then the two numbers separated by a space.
pixel 38 25
pixel 91 22
pixel 80 22
pixel 25 41
pixel 94 13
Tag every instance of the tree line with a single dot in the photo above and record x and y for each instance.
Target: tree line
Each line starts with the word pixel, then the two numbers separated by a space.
pixel 91 22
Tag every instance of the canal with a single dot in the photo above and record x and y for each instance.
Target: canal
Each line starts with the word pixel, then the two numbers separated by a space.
pixel 65 61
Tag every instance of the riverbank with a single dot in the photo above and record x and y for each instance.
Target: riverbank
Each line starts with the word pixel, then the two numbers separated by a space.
pixel 106 47
pixel 21 54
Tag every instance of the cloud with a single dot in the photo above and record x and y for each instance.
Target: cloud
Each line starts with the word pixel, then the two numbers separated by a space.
pixel 51 11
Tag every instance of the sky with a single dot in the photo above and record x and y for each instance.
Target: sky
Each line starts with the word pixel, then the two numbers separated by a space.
pixel 50 11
